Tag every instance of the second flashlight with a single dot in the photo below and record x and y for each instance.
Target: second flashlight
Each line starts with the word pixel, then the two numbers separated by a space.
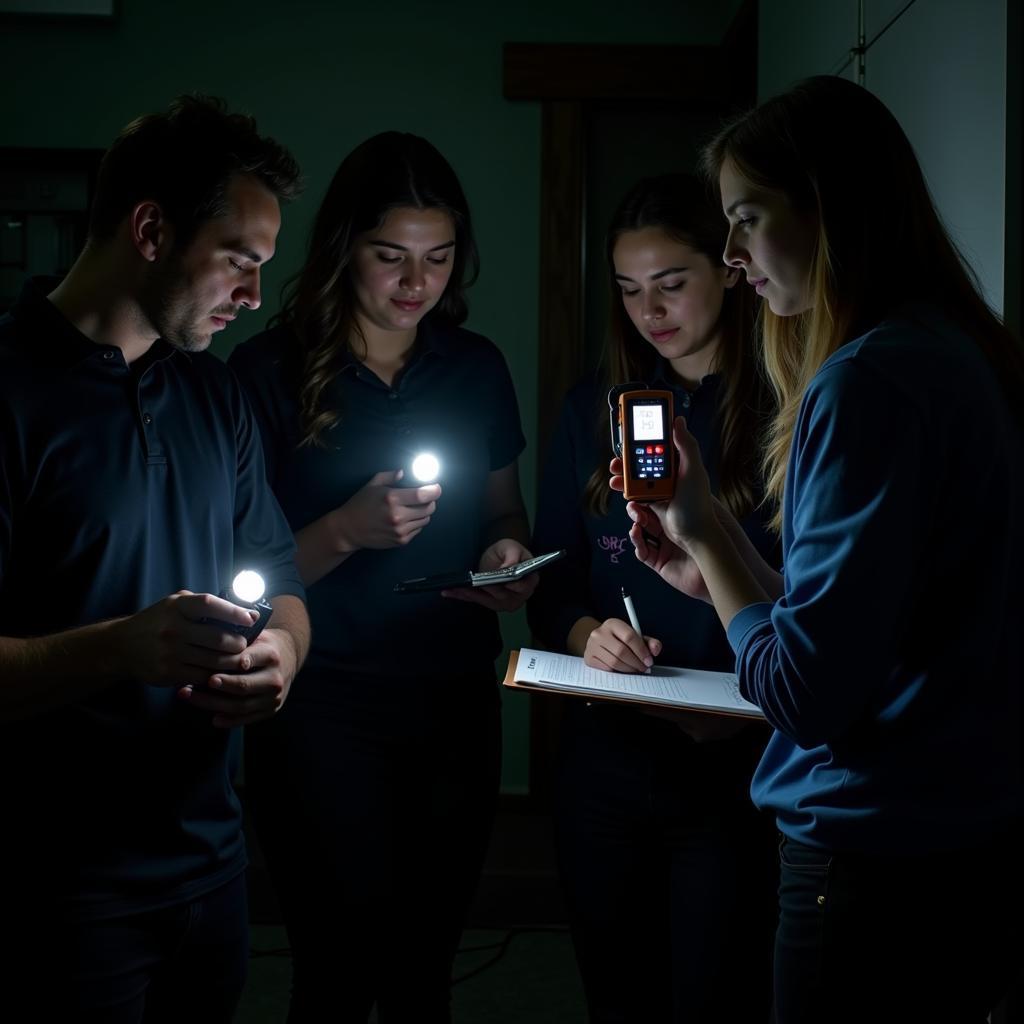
pixel 247 590
pixel 422 468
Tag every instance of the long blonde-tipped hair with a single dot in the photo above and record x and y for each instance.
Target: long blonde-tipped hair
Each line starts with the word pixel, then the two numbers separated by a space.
pixel 840 158
pixel 794 349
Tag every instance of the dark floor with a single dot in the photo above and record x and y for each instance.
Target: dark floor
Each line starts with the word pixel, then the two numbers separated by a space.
pixel 518 905
pixel 535 980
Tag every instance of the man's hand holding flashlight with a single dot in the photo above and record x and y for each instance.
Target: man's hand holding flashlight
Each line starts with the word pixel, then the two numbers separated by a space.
pixel 182 640
pixel 254 689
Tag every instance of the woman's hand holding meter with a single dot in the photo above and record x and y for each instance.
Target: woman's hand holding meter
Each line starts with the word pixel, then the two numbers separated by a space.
pixel 657 551
pixel 690 515
pixel 697 546
pixel 662 530
pixel 383 515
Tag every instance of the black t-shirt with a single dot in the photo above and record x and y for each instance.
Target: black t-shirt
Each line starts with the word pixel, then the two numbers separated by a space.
pixel 453 398
pixel 120 485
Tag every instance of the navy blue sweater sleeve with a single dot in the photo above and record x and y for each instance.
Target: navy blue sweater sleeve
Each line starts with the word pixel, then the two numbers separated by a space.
pixel 817 661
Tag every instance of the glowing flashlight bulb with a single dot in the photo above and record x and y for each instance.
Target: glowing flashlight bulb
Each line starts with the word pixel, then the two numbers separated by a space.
pixel 425 468
pixel 248 586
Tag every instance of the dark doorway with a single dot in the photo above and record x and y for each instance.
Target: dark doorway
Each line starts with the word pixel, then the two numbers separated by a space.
pixel 610 115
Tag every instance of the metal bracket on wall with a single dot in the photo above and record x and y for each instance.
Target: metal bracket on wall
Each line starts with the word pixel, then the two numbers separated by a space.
pixel 859 52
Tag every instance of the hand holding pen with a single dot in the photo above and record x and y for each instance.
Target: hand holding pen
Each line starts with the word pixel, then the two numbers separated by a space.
pixel 618 646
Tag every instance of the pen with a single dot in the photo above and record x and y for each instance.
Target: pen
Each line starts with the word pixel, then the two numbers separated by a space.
pixel 631 612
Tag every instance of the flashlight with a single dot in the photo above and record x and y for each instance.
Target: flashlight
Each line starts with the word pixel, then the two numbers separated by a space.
pixel 247 590
pixel 424 469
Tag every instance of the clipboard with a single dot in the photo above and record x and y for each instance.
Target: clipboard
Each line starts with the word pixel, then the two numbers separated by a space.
pixel 666 687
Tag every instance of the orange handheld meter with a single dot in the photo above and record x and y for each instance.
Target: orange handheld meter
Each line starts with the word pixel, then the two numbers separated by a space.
pixel 641 425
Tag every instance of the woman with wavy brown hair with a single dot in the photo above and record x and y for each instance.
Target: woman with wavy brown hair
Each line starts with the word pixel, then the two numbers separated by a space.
pixel 888 656
pixel 373 793
pixel 667 867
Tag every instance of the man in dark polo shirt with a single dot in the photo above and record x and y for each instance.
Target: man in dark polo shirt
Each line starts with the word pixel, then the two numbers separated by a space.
pixel 132 489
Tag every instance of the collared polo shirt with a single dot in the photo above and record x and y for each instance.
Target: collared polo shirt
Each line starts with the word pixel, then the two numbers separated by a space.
pixel 120 485
pixel 453 398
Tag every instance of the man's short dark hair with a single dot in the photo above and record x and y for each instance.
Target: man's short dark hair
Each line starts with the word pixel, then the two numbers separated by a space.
pixel 184 159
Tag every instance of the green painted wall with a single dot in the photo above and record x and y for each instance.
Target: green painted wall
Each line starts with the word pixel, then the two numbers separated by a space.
pixel 321 77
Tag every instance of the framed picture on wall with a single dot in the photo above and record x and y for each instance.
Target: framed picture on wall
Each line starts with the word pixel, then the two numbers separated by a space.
pixel 59 10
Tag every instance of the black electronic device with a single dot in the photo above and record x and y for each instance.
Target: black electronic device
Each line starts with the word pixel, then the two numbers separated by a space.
pixel 641 429
pixel 466 578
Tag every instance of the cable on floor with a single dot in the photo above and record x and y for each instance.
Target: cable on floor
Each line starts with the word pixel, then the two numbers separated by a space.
pixel 501 946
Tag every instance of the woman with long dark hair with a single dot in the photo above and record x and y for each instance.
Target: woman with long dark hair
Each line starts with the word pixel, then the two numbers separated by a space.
pixel 888 656
pixel 667 867
pixel 373 796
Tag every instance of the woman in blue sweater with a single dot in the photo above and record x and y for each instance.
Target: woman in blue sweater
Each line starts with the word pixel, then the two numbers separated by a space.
pixel 887 656
pixel 667 867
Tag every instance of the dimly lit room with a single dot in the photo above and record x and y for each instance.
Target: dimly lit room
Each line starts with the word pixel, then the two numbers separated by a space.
pixel 755 726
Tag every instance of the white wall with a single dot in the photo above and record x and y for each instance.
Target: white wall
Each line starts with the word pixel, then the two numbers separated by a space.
pixel 941 69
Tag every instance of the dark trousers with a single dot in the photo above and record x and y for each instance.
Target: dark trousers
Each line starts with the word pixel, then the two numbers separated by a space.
pixel 374 808
pixel 669 871
pixel 935 939
pixel 184 963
